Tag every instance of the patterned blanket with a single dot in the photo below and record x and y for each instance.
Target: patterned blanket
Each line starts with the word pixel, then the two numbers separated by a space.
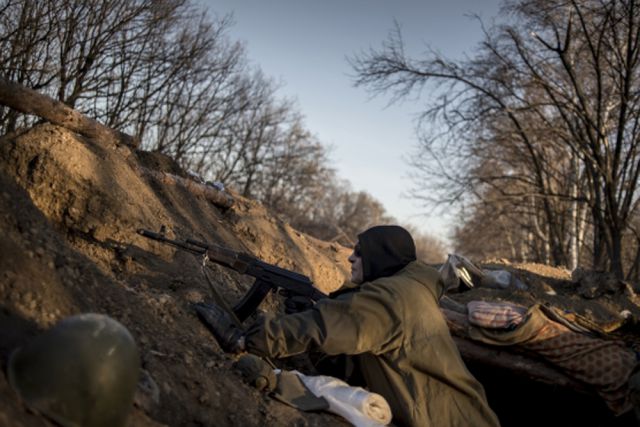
pixel 603 364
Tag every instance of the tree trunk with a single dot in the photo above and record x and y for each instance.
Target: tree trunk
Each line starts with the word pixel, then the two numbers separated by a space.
pixel 616 253
pixel 634 271
pixel 599 252
pixel 574 228
pixel 29 101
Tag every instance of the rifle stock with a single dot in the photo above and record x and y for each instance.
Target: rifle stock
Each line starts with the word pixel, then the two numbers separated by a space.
pixel 268 277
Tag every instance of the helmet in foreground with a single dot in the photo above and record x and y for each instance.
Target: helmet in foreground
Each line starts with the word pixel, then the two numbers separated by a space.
pixel 82 372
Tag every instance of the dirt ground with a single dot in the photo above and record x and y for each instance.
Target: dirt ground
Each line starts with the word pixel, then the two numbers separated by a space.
pixel 69 211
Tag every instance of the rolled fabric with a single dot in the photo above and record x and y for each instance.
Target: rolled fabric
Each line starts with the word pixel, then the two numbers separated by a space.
pixel 495 315
pixel 357 405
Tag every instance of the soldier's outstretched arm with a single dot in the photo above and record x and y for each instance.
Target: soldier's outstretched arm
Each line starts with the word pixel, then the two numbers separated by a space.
pixel 364 321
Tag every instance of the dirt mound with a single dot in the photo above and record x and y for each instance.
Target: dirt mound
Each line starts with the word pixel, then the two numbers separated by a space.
pixel 69 212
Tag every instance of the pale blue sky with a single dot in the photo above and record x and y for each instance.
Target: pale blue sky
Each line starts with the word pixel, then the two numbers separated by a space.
pixel 304 45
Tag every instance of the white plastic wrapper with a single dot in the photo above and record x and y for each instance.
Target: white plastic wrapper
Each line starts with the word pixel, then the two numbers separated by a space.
pixel 458 270
pixel 502 279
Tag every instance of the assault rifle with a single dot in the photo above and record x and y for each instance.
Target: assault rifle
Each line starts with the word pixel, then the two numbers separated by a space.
pixel 268 277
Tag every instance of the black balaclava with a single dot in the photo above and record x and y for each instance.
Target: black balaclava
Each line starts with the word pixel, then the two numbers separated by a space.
pixel 385 250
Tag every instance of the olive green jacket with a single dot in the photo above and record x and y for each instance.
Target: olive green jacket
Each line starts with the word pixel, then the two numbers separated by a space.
pixel 402 343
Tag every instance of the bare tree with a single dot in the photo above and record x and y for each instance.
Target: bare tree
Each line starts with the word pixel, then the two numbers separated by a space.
pixel 558 86
pixel 169 74
pixel 429 248
pixel 160 70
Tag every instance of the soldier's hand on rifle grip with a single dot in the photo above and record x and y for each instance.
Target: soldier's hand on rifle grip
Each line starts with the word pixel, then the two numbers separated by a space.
pixel 295 303
pixel 230 337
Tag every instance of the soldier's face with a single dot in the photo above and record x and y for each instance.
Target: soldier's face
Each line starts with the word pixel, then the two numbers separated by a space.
pixel 356 265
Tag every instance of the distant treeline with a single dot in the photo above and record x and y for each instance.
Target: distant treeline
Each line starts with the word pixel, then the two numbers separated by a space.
pixel 537 132
pixel 167 73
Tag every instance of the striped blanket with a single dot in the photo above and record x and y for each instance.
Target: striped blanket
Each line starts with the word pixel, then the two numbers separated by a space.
pixel 495 315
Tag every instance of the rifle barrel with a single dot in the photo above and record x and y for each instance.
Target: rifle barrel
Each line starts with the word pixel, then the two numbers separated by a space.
pixel 162 238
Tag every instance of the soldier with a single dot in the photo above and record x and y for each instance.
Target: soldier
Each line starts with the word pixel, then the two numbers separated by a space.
pixel 391 325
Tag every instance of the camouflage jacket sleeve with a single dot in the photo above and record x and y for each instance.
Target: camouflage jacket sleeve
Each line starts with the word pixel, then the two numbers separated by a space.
pixel 368 320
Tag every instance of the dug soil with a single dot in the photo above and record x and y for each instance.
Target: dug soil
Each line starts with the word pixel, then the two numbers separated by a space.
pixel 70 209
pixel 69 212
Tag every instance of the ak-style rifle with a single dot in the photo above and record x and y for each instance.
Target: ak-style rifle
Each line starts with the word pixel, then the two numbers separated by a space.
pixel 268 277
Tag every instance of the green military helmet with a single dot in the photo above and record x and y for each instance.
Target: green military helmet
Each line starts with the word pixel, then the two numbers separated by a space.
pixel 82 372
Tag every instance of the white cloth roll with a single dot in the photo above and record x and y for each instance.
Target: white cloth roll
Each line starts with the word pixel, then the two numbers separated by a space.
pixel 357 405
